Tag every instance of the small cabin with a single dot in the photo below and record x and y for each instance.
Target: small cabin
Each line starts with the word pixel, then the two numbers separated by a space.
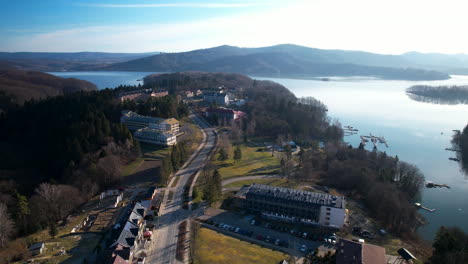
pixel 37 248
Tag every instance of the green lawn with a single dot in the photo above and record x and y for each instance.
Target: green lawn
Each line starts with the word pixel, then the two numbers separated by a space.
pixel 273 182
pixel 253 163
pixel 214 248
pixel 150 152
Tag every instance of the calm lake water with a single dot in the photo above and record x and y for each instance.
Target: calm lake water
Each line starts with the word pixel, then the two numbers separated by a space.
pixel 105 80
pixel 417 132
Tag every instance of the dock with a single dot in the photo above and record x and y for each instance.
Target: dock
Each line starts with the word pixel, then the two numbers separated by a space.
pixel 423 207
pixel 430 184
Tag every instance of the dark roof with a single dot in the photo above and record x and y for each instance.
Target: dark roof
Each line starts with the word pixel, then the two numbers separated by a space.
pixel 348 252
pixel 215 94
pixel 36 246
pixel 122 251
pixel 128 234
pixel 405 254
pixel 135 218
pixel 314 198
pixel 352 252
pixel 139 209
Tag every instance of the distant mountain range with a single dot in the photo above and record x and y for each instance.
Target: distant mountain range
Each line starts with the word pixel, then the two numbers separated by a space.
pixel 286 60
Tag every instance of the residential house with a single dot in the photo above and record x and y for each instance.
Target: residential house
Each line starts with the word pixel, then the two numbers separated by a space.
pixel 111 197
pixel 159 93
pixel 354 252
pixel 219 98
pixel 37 248
pixel 224 113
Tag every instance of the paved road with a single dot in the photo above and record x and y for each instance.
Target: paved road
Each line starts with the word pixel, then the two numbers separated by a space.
pixel 164 245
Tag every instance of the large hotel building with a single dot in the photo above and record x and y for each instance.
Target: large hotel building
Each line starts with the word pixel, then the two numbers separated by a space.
pixel 289 205
pixel 149 129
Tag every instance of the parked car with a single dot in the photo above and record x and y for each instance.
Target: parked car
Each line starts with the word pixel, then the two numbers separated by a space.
pixel 267 239
pixel 259 237
pixel 237 230
pixel 253 222
pixel 284 243
pixel 277 242
pixel 303 248
pixel 304 235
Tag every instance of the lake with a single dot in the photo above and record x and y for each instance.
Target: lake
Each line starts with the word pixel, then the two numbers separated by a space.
pixel 104 79
pixel 417 132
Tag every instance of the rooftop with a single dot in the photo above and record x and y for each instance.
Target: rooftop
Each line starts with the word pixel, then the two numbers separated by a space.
pixel 352 252
pixel 171 121
pixel 221 110
pixel 126 114
pixel 149 131
pixel 215 94
pixel 296 195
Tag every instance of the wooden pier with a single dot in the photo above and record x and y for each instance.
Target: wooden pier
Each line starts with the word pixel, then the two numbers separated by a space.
pixel 423 207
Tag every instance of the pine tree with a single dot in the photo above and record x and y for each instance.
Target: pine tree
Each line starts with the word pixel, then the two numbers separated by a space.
pixel 223 155
pixel 237 154
pixel 23 210
pixel 53 229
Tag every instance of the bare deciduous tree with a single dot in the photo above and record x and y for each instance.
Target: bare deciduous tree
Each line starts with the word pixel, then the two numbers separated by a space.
pixel 6 226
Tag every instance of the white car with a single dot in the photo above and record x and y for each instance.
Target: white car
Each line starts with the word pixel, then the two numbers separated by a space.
pixel 303 248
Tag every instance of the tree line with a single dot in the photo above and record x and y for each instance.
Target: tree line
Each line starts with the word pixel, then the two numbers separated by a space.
pixel 439 94
pixel 177 156
pixel 58 152
pixel 450 246
pixel 460 145
pixel 386 185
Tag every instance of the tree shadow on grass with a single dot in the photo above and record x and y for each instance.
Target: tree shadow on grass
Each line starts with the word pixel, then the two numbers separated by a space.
pixel 268 169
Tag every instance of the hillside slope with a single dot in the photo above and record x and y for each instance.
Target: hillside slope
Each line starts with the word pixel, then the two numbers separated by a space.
pixel 17 86
pixel 282 61
pixel 66 61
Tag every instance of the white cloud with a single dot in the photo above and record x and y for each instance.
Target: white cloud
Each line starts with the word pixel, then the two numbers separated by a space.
pixel 393 27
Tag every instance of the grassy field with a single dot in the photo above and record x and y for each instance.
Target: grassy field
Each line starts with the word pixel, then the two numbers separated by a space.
pixel 253 163
pixel 273 182
pixel 214 248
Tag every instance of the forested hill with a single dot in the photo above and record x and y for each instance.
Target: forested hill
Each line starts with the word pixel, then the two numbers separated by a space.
pixel 288 61
pixel 272 110
pixel 66 61
pixel 439 94
pixel 17 86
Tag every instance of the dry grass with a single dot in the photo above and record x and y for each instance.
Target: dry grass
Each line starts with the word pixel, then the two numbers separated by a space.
pixel 253 163
pixel 215 248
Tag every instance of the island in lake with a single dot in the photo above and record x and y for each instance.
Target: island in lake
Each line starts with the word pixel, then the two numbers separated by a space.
pixel 450 95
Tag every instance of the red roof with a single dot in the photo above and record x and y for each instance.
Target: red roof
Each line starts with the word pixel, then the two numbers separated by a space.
pixel 119 260
pixel 221 110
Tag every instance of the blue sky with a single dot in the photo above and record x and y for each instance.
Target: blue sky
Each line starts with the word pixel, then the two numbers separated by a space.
pixel 390 27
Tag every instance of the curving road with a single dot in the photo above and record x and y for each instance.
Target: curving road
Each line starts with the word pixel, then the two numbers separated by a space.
pixel 164 245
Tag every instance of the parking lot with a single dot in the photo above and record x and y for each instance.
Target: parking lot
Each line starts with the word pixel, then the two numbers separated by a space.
pixel 265 231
